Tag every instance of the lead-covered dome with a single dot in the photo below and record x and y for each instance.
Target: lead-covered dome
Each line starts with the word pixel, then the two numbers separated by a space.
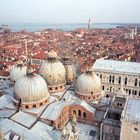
pixel 53 71
pixel 17 71
pixel 70 69
pixel 88 86
pixel 31 90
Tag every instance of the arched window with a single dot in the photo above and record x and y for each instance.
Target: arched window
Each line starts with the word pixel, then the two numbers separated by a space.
pixel 125 81
pixel 79 113
pixel 101 76
pixel 110 79
pixel 135 92
pixel 119 80
pixel 26 106
pixel 84 114
pixel 34 106
pixel 91 92
pixel 113 79
pixel 74 112
pixel 110 89
pixel 50 88
pixel 41 104
pixel 56 88
pixel 103 87
pixel 136 82
pixel 129 91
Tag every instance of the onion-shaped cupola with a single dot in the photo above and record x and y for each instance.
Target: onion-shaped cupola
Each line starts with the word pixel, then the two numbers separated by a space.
pixel 70 69
pixel 17 71
pixel 88 86
pixel 30 91
pixel 53 71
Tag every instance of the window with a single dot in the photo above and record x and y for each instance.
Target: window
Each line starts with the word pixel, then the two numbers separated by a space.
pixel 26 106
pixel 74 112
pixel 103 87
pixel 113 79
pixel 79 113
pixel 50 88
pixel 107 96
pixel 135 92
pixel 101 76
pixel 119 80
pixel 129 91
pixel 34 106
pixel 136 82
pixel 125 81
pixel 84 114
pixel 56 88
pixel 91 92
pixel 110 79
pixel 41 104
pixel 110 89
pixel 135 130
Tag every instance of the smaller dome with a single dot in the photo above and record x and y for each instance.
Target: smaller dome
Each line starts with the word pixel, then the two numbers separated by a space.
pixel 88 84
pixel 52 54
pixel 70 69
pixel 17 71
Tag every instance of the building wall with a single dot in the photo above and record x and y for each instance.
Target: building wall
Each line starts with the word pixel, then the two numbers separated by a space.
pixel 111 82
pixel 110 132
pixel 130 130
pixel 119 105
pixel 67 112
pixel 82 114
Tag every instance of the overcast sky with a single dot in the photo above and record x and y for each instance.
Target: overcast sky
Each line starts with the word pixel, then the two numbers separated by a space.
pixel 69 11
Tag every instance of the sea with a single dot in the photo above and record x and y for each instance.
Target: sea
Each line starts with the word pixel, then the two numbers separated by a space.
pixel 32 27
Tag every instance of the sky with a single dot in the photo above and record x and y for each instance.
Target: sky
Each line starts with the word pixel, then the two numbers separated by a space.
pixel 69 11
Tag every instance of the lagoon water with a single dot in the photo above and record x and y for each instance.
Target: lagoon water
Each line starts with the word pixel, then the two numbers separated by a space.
pixel 15 27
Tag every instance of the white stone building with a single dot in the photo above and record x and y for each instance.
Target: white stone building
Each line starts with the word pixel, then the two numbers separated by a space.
pixel 113 74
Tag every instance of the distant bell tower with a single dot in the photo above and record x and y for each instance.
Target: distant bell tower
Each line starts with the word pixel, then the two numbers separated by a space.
pixel 89 24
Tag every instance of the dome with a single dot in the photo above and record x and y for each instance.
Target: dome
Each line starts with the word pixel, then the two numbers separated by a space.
pixel 53 71
pixel 70 69
pixel 70 73
pixel 88 85
pixel 31 89
pixel 17 71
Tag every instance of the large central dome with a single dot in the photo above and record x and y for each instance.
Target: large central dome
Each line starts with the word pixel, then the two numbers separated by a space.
pixel 53 71
pixel 31 90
